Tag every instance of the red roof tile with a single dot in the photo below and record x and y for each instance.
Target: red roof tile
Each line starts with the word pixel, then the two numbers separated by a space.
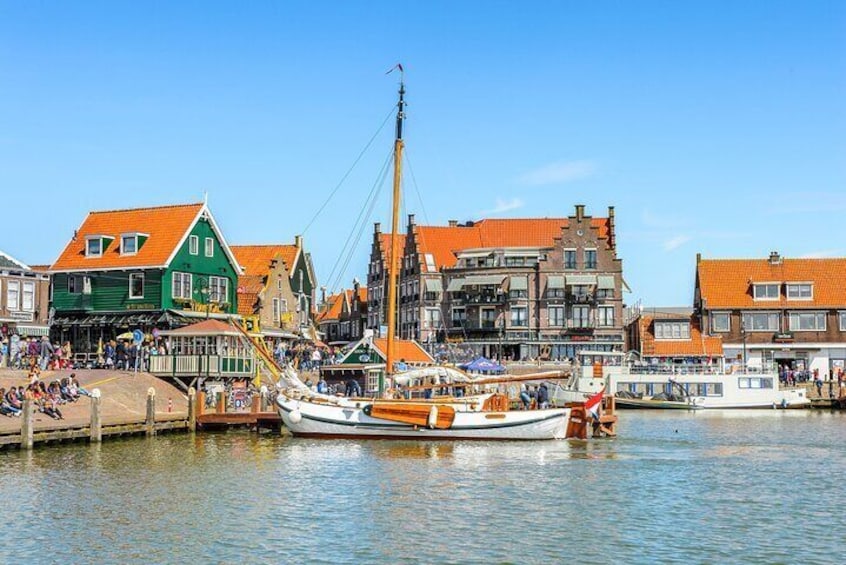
pixel 727 283
pixel 165 226
pixel 256 259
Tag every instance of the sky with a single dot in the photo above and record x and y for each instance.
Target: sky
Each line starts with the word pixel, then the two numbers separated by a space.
pixel 712 127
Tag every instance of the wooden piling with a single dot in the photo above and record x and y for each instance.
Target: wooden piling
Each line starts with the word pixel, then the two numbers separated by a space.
pixel 96 426
pixel 201 402
pixel 151 412
pixel 264 395
pixel 221 402
pixel 192 409
pixel 26 424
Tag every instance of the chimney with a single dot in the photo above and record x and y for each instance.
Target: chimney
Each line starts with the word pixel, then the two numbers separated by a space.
pixel 453 223
pixel 356 285
pixel 580 212
pixel 411 219
pixel 377 227
pixel 298 241
pixel 323 295
pixel 698 258
pixel 775 259
pixel 612 235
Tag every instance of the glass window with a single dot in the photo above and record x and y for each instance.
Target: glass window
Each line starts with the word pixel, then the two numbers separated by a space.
pixel 209 251
pixel 768 291
pixel 581 317
pixel 605 293
pixel 519 316
pixel 761 321
pixel 182 283
pixel 843 321
pixel 194 245
pixel 720 322
pixel 556 316
pixel 806 321
pixel 13 295
pixel 128 244
pixel 218 289
pixel 672 330
pixel 458 316
pixel 569 258
pixel 800 291
pixel 590 258
pixel 73 285
pixel 136 285
pixel 94 247
pixel 433 318
pixel 276 310
pixel 28 302
pixel 605 316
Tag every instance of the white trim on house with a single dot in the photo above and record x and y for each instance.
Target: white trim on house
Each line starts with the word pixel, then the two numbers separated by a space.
pixel 204 210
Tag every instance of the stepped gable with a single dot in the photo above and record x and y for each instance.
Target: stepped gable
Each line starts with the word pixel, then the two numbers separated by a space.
pixel 385 247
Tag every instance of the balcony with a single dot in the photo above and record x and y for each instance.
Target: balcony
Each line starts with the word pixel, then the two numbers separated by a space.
pixel 580 298
pixel 484 299
pixel 580 324
pixel 475 325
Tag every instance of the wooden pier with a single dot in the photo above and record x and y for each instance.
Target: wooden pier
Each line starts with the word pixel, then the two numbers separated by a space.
pixel 260 416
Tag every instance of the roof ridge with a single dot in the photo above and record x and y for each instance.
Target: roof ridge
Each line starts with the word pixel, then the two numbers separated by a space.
pixel 142 208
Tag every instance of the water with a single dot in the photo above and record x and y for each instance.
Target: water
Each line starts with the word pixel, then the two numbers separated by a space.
pixel 707 487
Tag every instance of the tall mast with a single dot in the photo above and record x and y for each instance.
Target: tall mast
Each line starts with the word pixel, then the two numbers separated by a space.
pixel 395 250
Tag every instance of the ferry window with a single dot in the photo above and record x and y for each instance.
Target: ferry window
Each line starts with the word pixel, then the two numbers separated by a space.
pixel 720 322
pixel 743 382
pixel 768 291
pixel 766 383
pixel 714 389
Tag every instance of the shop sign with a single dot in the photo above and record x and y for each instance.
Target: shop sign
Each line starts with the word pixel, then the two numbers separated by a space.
pixel 140 306
pixel 21 316
pixel 783 337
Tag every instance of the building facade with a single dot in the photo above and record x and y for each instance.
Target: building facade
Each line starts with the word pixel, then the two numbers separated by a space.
pixel 672 339
pixel 24 299
pixel 783 311
pixel 141 269
pixel 342 317
pixel 517 289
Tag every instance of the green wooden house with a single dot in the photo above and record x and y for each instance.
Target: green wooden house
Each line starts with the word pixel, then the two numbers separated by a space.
pixel 141 269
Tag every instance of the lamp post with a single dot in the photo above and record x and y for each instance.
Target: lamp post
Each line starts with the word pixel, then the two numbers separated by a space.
pixel 203 292
pixel 500 294
pixel 743 337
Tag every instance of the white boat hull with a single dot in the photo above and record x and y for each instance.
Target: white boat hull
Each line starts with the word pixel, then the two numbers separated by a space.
pixel 304 418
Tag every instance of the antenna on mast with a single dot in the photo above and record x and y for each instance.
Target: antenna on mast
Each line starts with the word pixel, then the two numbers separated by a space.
pixel 401 103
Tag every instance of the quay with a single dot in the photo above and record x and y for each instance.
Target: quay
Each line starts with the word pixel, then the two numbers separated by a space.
pixel 125 403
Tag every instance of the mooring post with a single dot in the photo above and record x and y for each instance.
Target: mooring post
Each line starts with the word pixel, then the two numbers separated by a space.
pixel 151 411
pixel 26 424
pixel 95 431
pixel 192 409
pixel 264 398
pixel 221 402
pixel 201 402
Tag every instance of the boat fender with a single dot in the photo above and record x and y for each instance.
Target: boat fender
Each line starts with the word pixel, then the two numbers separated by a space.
pixel 433 417
pixel 367 409
pixel 295 416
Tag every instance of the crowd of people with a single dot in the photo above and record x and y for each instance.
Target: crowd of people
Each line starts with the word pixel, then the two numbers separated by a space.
pixel 47 398
pixel 26 352
pixel 307 356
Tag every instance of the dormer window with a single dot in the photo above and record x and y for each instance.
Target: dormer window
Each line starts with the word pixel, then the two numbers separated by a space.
pixel 800 291
pixel 130 243
pixel 766 291
pixel 672 330
pixel 94 246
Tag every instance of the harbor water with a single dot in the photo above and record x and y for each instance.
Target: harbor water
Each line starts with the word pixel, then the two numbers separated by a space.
pixel 676 487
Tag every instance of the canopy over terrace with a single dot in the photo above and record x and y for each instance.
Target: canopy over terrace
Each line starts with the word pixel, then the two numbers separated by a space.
pixel 211 349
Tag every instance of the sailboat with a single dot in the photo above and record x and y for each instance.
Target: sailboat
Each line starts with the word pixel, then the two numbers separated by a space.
pixel 480 417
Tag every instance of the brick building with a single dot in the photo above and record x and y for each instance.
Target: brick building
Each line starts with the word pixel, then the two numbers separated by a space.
pixel 508 288
pixel 342 317
pixel 788 311
pixel 24 299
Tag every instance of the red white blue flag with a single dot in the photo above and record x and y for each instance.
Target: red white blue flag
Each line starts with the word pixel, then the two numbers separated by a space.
pixel 593 403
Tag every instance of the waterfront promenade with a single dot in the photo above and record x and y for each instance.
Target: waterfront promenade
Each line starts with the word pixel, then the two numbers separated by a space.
pixel 123 403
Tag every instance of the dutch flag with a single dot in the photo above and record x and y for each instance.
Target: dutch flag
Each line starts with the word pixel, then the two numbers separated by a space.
pixel 593 404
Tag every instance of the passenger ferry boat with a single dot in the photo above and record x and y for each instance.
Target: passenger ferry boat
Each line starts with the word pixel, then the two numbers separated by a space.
pixel 705 387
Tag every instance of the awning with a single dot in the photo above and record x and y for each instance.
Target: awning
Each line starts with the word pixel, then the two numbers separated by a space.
pixel 519 283
pixel 273 332
pixel 522 253
pixel 484 280
pixel 581 280
pixel 473 254
pixel 32 331
pixel 129 320
pixel 455 285
pixel 434 285
pixel 606 282
pixel 555 281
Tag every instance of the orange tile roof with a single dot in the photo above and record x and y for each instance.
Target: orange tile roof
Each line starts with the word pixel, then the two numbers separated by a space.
pixel 727 283
pixel 165 226
pixel 699 345
pixel 443 242
pixel 256 259
pixel 334 307
pixel 40 268
pixel 385 247
pixel 406 350
pixel 249 287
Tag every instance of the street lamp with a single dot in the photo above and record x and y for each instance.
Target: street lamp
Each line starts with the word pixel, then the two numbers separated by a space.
pixel 743 337
pixel 203 291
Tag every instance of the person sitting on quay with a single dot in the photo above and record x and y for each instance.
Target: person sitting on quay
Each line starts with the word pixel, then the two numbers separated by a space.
pixel 6 408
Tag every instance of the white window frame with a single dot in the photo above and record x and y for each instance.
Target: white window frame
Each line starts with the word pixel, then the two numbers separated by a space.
pixel 602 318
pixel 798 286
pixel 461 319
pixel 208 247
pixel 88 241
pixel 126 237
pixel 218 290
pixel 143 285
pixel 277 314
pixel 557 321
pixel 176 288
pixel 842 316
pixel 749 329
pixel 194 245
pixel 13 305
pixel 714 327
pixel 678 331
pixel 73 281
pixel 580 321
pixel 28 288
pixel 516 321
pixel 796 316
pixel 756 285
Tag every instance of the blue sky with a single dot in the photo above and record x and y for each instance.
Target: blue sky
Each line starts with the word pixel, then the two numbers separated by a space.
pixel 711 127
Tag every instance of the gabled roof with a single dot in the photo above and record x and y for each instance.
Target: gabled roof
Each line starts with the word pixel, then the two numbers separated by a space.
pixel 334 307
pixel 249 288
pixel 9 262
pixel 727 283
pixel 406 350
pixel 699 345
pixel 166 228
pixel 443 242
pixel 385 247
